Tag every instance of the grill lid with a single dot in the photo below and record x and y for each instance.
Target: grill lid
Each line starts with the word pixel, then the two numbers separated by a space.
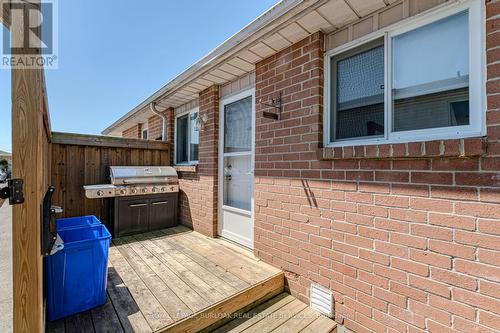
pixel 126 175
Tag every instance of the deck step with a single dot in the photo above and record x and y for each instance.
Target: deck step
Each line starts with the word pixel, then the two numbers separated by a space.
pixel 283 313
pixel 224 311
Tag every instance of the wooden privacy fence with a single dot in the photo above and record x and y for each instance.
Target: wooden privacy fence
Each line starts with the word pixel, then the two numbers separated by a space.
pixel 79 160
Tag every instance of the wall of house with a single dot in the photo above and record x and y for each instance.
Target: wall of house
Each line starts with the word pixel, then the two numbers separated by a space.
pixel 133 132
pixel 155 126
pixel 198 184
pixel 406 236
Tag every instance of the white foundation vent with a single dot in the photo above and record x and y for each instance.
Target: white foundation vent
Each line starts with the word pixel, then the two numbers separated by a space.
pixel 321 299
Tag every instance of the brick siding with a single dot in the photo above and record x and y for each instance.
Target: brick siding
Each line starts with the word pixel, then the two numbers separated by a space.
pixel 406 236
pixel 133 132
pixel 155 126
pixel 407 243
pixel 198 197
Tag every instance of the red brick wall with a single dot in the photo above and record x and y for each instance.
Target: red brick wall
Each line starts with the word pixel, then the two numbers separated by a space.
pixel 198 198
pixel 133 132
pixel 155 126
pixel 208 162
pixel 170 113
pixel 407 244
pixel 190 200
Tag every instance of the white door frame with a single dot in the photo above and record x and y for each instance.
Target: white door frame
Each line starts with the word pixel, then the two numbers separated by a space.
pixel 224 101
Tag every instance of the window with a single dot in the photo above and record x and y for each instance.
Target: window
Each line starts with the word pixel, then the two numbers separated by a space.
pixel 144 134
pixel 186 138
pixel 419 81
pixel 424 87
pixel 359 93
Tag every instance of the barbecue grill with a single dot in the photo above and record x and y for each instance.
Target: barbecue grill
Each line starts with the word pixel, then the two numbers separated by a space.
pixel 131 180
pixel 145 198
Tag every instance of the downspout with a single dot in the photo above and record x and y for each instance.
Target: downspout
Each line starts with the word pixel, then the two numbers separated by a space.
pixel 152 106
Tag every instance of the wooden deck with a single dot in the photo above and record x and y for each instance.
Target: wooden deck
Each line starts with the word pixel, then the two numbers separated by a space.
pixel 282 314
pixel 175 280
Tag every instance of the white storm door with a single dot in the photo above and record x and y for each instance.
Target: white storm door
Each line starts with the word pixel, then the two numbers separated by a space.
pixel 236 168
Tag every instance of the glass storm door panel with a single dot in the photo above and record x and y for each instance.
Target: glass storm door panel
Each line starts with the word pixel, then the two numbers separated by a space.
pixel 236 169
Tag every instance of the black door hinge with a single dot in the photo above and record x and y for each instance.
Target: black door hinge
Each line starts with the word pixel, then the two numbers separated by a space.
pixel 13 191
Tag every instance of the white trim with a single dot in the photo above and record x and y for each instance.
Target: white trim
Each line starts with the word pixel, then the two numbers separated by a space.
pixel 237 239
pixel 477 79
pixel 237 210
pixel 187 112
pixel 224 101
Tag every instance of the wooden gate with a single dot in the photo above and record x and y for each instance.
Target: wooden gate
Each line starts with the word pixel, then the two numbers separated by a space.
pixel 30 162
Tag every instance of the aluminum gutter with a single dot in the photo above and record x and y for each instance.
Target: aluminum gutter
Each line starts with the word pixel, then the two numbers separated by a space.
pixel 240 37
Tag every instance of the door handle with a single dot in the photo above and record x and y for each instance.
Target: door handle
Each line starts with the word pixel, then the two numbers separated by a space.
pixel 160 203
pixel 137 205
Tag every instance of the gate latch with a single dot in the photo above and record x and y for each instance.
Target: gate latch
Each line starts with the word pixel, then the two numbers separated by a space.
pixel 13 191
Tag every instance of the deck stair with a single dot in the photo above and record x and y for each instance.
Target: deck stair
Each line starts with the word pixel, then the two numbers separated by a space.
pixel 281 314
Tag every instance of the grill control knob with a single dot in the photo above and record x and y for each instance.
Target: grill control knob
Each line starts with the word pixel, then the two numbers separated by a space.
pixel 100 193
pixel 172 188
pixel 163 189
pixel 144 190
pixel 123 192
pixel 154 190
pixel 134 191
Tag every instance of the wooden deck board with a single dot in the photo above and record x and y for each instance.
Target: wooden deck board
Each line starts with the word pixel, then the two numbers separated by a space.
pixel 188 295
pixel 165 296
pixel 253 316
pixel 322 324
pixel 162 252
pixel 105 319
pixel 131 318
pixel 284 314
pixel 80 323
pixel 217 284
pixel 249 270
pixel 212 267
pixel 152 310
pixel 168 281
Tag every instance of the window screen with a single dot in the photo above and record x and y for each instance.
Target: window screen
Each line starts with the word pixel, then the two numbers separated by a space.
pixel 358 93
pixel 431 75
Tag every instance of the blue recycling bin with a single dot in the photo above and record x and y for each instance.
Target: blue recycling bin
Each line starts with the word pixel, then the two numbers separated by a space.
pixel 77 222
pixel 76 276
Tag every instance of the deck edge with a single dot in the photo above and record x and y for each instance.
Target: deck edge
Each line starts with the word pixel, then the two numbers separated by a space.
pixel 240 302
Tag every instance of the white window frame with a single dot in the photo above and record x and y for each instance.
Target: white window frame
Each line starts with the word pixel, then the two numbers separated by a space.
pixel 145 129
pixel 188 112
pixel 477 77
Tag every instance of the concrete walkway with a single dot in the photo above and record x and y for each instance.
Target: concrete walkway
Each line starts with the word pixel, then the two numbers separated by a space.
pixel 6 268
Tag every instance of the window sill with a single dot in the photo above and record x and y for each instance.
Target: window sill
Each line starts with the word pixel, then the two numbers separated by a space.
pixel 186 168
pixel 471 147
